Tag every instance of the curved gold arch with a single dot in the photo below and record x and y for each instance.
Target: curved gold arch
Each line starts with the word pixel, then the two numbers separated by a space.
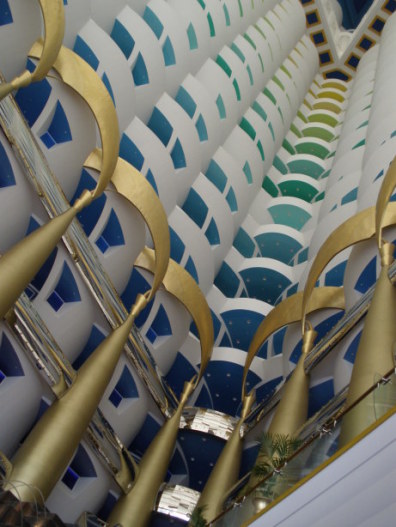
pixel 131 184
pixel 54 30
pixel 385 193
pixel 180 284
pixel 360 227
pixel 77 74
pixel 287 312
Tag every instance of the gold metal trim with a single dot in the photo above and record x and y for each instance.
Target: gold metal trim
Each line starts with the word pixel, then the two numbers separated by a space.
pixel 134 509
pixel 387 187
pixel 180 284
pixel 19 265
pixel 358 228
pixel 54 30
pixel 292 411
pixel 76 242
pixel 131 184
pixel 288 311
pixel 77 74
pixel 226 470
pixel 45 453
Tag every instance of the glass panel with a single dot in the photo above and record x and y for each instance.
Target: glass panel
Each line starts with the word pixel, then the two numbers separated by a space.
pixel 318 448
pixel 384 396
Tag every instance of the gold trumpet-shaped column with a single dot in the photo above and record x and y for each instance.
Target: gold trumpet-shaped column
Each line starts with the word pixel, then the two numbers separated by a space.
pixel 292 410
pixel 225 473
pixel 374 356
pixel 41 460
pixel 134 509
pixel 20 264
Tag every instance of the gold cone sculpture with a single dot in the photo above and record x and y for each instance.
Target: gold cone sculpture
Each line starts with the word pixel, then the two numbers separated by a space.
pixel 374 356
pixel 225 473
pixel 290 310
pixel 292 410
pixel 46 452
pixel 54 24
pixel 135 508
pixel 19 265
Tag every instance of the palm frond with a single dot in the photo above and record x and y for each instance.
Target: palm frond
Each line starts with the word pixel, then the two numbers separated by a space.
pixel 197 518
pixel 275 449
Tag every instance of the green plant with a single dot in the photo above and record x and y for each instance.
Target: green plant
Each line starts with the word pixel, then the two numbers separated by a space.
pixel 274 451
pixel 197 518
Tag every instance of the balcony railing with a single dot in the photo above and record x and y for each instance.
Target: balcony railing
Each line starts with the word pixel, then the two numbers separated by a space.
pixel 316 452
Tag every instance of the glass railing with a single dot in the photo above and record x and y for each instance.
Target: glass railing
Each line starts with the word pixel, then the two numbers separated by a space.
pixel 90 520
pixel 317 450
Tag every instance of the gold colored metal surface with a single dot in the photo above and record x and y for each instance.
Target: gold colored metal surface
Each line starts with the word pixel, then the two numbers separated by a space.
pixel 309 337
pixel 387 187
pixel 47 450
pixel 386 253
pixel 60 387
pixel 77 74
pixel 123 477
pixel 6 464
pixel 19 265
pixel 292 410
pixel 131 184
pixel 54 29
pixel 225 473
pixel 360 227
pixel 288 311
pixel 135 508
pixel 180 284
pixel 374 356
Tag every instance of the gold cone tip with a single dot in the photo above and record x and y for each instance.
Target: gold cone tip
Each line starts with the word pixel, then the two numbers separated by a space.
pixel 5 89
pixel 188 389
pixel 247 404
pixel 386 252
pixel 140 303
pixel 309 337
pixel 24 79
pixel 83 201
